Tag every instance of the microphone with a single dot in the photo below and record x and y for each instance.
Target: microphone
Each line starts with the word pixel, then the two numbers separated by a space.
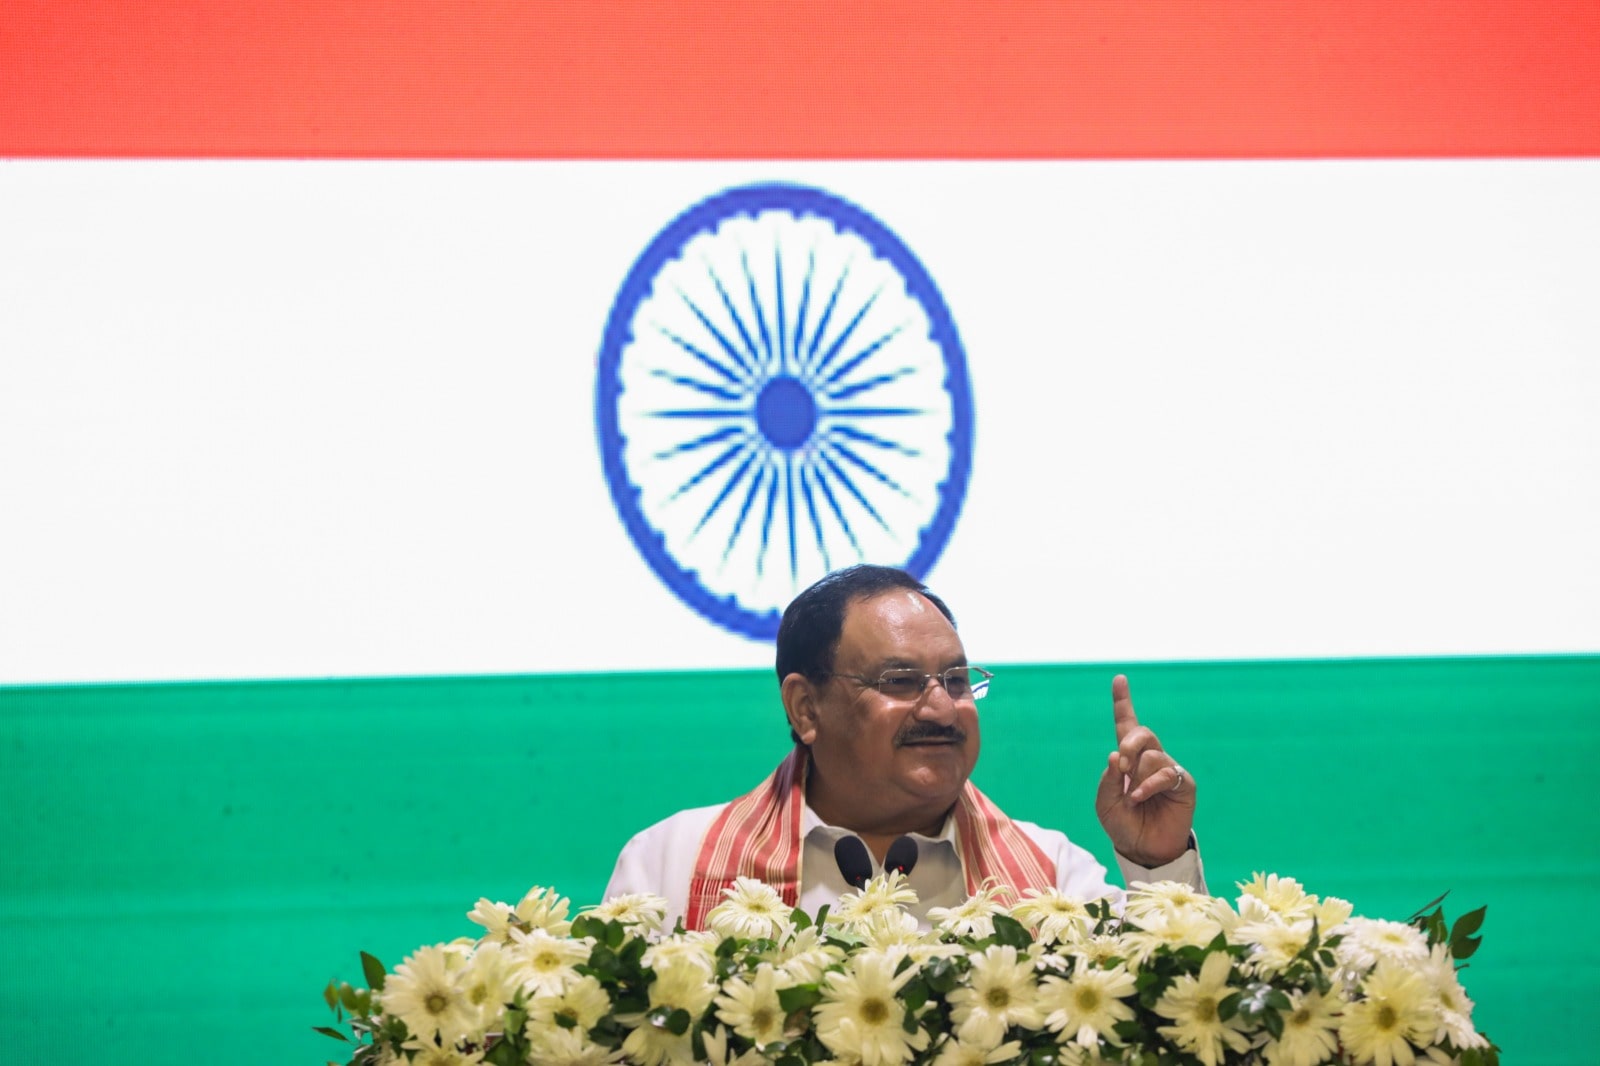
pixel 902 856
pixel 854 861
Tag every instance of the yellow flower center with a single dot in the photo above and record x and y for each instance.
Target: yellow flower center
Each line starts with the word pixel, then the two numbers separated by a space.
pixel 1205 1009
pixel 998 998
pixel 1387 1017
pixel 436 1003
pixel 547 960
pixel 1088 999
pixel 874 1011
pixel 1301 1017
pixel 762 1019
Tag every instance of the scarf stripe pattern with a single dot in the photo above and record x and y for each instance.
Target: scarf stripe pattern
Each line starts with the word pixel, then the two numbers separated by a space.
pixel 758 835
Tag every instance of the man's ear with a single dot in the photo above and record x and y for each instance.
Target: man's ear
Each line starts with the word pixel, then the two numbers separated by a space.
pixel 800 705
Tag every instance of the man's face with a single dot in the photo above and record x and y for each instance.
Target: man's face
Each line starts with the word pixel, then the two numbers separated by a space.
pixel 883 764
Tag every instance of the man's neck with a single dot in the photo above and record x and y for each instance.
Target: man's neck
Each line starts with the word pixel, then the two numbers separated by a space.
pixel 877 836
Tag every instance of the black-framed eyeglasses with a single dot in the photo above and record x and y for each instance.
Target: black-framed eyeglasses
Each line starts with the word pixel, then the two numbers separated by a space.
pixel 961 682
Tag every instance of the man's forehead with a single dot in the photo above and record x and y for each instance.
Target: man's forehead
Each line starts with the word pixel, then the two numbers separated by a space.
pixel 897 625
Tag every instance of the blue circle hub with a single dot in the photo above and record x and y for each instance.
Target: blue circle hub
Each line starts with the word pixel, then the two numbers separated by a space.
pixel 786 412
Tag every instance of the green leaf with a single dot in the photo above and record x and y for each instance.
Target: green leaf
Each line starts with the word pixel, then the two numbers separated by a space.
pixel 799 997
pixel 1229 1006
pixel 334 1033
pixel 1009 932
pixel 1462 942
pixel 348 996
pixel 800 919
pixel 504 1054
pixel 587 925
pixel 1425 908
pixel 330 996
pixel 374 971
pixel 678 1022
pixel 1274 1023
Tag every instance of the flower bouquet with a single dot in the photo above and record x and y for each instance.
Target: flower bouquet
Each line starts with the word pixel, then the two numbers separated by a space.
pixel 1169 978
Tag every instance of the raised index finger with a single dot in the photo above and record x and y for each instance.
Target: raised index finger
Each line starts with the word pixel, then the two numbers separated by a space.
pixel 1122 707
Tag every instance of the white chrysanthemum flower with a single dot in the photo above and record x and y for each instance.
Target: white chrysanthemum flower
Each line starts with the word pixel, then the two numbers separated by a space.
pixel 1309 1028
pixel 860 1016
pixel 434 1055
pixel 751 1006
pixel 494 917
pixel 972 917
pixel 699 945
pixel 1284 896
pixel 643 910
pixel 1157 897
pixel 1053 916
pixel 1102 949
pixel 1331 913
pixel 654 1045
pixel 1169 929
pixel 888 892
pixel 1083 1008
pixel 428 993
pixel 1455 1009
pixel 805 955
pixel 751 910
pixel 1395 1012
pixel 490 982
pixel 553 1045
pixel 1192 1002
pixel 544 908
pixel 543 962
pixel 999 993
pixel 1273 944
pixel 1368 940
pixel 580 1000
pixel 683 983
pixel 888 928
pixel 955 1052
pixel 718 1052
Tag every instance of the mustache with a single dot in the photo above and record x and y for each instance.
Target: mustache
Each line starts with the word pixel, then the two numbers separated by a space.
pixel 921 731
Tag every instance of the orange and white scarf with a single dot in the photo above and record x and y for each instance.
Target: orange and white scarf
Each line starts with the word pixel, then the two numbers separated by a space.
pixel 758 835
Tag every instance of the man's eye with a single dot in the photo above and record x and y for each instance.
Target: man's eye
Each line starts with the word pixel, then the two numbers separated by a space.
pixel 958 683
pixel 899 685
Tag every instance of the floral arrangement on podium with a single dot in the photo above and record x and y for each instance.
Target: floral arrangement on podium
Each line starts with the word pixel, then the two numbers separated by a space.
pixel 1172 978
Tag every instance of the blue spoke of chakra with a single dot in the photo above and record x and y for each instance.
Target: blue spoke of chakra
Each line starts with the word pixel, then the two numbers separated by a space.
pixel 807 472
pixel 739 356
pixel 864 437
pixel 788 509
pixel 844 479
pixel 867 467
pixel 752 453
pixel 808 363
pixel 699 386
pixel 753 354
pixel 705 357
pixel 714 437
pixel 839 512
pixel 800 314
pixel 763 330
pixel 766 522
pixel 783 322
pixel 843 338
pixel 848 367
pixel 709 469
pixel 744 510
pixel 855 389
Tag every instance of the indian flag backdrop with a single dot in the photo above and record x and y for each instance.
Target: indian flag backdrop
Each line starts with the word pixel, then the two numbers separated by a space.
pixel 412 418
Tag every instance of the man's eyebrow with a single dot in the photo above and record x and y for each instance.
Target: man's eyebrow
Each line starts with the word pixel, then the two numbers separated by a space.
pixel 897 663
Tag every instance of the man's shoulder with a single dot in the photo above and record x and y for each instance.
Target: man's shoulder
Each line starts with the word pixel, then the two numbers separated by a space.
pixel 674 828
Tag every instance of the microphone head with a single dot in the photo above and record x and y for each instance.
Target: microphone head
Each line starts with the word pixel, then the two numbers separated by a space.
pixel 855 863
pixel 902 855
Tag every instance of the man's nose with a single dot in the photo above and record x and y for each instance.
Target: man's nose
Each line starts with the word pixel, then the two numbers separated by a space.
pixel 935 704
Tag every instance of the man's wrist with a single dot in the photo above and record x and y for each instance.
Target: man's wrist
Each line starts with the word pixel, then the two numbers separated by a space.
pixel 1151 864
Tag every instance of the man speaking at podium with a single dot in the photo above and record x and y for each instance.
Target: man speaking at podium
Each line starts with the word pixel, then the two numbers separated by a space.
pixel 882 704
